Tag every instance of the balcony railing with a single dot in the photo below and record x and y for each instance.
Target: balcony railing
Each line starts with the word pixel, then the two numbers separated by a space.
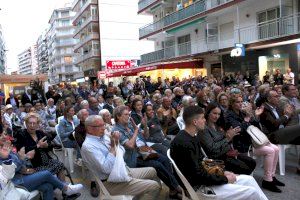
pixel 86 22
pixel 280 27
pixel 167 53
pixel 91 36
pixel 180 15
pixel 145 3
pixel 80 58
pixel 83 8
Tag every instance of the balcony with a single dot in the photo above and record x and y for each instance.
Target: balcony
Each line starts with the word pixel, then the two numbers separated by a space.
pixel 92 18
pixel 181 15
pixel 80 58
pixel 281 27
pixel 167 53
pixel 91 36
pixel 145 3
pixel 83 8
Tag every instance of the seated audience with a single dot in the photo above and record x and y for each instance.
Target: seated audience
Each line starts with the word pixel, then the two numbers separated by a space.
pixel 186 151
pixel 43 181
pixel 132 138
pixel 99 152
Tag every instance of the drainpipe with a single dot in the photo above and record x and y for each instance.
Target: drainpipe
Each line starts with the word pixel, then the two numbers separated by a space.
pixel 238 23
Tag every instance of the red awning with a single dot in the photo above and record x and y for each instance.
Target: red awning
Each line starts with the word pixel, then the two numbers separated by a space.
pixel 135 71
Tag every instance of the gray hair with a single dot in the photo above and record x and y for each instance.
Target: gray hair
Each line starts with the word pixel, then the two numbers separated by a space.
pixel 186 100
pixel 83 103
pixel 167 90
pixel 103 111
pixel 118 112
pixel 91 120
pixel 80 112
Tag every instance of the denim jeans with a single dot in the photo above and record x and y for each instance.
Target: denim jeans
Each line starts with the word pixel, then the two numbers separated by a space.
pixel 72 144
pixel 163 169
pixel 42 181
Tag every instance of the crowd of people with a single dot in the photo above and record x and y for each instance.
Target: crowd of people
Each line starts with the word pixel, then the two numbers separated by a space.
pixel 136 123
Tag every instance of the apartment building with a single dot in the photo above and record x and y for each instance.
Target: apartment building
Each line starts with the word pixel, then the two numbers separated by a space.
pixel 113 38
pixel 222 36
pixel 87 49
pixel 2 53
pixel 27 61
pixel 42 54
pixel 60 43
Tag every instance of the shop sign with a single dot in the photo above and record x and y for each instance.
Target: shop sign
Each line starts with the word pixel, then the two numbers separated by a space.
pixel 118 64
pixel 101 74
pixel 238 51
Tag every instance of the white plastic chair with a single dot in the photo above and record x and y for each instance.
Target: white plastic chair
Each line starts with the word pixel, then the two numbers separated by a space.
pixel 187 185
pixel 104 194
pixel 282 149
pixel 68 151
pixel 35 195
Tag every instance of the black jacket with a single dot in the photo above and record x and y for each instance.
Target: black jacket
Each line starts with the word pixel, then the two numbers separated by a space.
pixel 242 141
pixel 187 154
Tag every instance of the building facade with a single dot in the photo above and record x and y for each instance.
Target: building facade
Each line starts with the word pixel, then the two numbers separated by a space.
pixel 112 38
pixel 208 30
pixel 27 61
pixel 60 44
pixel 2 53
pixel 87 49
pixel 42 54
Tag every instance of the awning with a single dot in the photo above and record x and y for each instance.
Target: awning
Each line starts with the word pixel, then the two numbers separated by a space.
pixel 169 65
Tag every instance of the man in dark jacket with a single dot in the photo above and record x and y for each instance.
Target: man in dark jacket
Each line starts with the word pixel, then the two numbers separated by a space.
pixel 188 155
pixel 12 100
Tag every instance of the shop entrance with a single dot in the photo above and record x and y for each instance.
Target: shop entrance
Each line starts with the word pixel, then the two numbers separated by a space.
pixel 216 70
pixel 271 63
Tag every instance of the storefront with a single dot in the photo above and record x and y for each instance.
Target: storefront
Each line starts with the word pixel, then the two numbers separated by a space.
pixel 165 70
pixel 258 61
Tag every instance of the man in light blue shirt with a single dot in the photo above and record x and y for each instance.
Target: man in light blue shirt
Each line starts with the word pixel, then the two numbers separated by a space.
pixel 99 153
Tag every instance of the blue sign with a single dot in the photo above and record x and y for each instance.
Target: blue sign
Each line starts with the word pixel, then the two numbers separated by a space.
pixel 239 50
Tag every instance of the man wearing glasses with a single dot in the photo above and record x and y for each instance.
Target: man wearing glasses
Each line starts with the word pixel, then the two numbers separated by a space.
pixel 99 152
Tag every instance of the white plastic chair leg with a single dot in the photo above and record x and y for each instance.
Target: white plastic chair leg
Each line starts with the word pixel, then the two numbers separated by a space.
pixel 282 159
pixel 70 159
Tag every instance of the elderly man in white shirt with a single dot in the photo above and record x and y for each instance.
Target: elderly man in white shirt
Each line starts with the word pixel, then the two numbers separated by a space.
pixel 99 153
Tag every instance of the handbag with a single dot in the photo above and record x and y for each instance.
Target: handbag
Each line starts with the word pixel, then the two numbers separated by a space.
pixel 148 155
pixel 119 173
pixel 257 136
pixel 214 166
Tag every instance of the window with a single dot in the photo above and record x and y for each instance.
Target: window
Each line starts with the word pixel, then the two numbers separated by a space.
pixel 184 45
pixel 65 22
pixel 268 23
pixel 184 39
pixel 68 59
pixel 65 14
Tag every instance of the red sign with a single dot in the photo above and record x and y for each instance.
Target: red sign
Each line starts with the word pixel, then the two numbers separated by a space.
pixel 101 74
pixel 118 64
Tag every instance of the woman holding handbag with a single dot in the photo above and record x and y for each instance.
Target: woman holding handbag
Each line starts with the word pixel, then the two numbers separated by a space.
pixel 270 152
pixel 218 144
pixel 242 115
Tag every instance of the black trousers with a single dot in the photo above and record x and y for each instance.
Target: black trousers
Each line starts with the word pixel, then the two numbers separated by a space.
pixel 241 165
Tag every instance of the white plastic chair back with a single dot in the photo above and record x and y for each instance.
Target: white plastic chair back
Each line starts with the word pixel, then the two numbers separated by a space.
pixel 68 151
pixel 193 194
pixel 282 148
pixel 104 194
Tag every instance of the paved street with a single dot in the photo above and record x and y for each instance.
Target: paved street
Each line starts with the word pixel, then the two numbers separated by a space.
pixel 290 191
